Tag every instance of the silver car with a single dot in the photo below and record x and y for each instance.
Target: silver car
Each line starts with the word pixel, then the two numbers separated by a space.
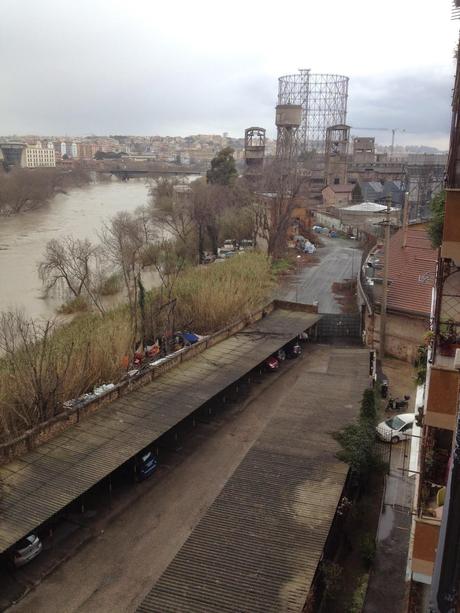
pixel 26 550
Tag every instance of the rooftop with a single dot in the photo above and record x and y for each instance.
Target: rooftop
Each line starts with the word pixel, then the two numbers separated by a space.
pixel 41 483
pixel 341 188
pixel 412 271
pixel 258 546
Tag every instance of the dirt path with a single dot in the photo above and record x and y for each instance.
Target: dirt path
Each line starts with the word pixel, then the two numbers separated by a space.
pixel 113 572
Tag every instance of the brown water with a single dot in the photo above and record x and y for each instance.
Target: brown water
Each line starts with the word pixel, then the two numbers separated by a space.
pixel 23 237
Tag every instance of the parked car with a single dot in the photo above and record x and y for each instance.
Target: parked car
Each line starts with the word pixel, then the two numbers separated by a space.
pixel 271 364
pixel 396 428
pixel 146 464
pixel 293 350
pixel 26 550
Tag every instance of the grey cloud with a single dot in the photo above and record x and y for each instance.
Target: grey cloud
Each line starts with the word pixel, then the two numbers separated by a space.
pixel 418 103
pixel 74 70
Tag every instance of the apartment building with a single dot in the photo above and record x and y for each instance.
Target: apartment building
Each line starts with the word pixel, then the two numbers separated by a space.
pixel 434 560
pixel 37 156
pixel 435 556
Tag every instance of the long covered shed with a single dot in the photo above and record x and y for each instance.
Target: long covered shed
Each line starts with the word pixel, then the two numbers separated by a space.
pixel 41 483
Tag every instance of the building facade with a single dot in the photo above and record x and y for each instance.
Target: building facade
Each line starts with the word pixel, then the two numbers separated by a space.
pixel 38 157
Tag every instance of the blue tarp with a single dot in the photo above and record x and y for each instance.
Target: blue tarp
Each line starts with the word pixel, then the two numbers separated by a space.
pixel 190 337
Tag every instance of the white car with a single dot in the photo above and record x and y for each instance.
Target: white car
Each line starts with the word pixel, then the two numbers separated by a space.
pixel 396 428
pixel 26 550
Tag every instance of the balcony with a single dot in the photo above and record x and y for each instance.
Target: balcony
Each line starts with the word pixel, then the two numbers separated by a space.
pixel 447 326
pixel 424 551
pixel 451 235
pixel 442 400
pixel 436 452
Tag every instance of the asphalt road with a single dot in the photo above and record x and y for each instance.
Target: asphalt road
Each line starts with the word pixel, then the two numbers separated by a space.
pixel 339 260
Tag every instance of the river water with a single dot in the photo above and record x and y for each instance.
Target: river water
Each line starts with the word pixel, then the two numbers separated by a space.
pixel 80 213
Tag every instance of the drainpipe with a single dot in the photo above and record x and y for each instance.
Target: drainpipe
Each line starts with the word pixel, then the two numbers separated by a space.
pixel 386 262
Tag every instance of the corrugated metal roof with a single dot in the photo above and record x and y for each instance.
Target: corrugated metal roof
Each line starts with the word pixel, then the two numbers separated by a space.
pixel 257 548
pixel 412 271
pixel 41 483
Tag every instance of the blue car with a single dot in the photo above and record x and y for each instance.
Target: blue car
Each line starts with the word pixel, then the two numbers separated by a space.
pixel 146 464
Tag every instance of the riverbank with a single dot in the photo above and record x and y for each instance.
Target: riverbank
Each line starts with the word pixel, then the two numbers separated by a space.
pixel 46 365
pixel 24 189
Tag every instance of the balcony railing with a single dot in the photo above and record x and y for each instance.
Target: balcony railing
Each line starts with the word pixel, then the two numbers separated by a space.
pixel 447 320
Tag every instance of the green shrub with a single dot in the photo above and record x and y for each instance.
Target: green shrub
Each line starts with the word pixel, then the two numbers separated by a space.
pixel 333 579
pixel 367 549
pixel 76 305
pixel 359 595
pixel 436 224
pixel 111 285
pixel 280 266
pixel 421 364
pixel 357 441
pixel 368 409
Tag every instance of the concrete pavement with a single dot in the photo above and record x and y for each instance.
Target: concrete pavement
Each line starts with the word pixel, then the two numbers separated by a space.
pixel 387 588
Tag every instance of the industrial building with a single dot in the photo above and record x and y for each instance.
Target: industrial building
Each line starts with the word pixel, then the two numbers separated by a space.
pixel 323 101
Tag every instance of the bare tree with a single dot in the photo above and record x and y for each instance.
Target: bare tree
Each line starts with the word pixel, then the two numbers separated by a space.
pixel 22 188
pixel 123 240
pixel 171 208
pixel 277 197
pixel 33 372
pixel 75 263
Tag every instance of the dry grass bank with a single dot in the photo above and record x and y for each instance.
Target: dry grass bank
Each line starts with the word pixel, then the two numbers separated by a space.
pixel 43 365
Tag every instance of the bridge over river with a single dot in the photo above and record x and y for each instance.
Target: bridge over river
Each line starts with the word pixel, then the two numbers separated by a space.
pixel 132 170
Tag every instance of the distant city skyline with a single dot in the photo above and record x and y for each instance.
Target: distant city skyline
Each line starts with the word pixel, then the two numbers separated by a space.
pixel 182 69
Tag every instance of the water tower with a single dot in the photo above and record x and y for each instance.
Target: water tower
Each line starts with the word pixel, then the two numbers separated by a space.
pixel 288 119
pixel 254 149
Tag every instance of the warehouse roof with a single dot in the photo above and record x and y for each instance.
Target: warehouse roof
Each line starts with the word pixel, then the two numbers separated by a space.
pixel 258 546
pixel 41 483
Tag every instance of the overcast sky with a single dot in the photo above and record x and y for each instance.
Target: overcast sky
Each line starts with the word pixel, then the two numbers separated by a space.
pixel 184 67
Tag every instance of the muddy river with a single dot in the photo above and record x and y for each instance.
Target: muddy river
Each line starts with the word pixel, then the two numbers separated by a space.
pixel 81 213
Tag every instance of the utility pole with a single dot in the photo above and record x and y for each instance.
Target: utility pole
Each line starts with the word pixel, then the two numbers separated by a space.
pixel 386 260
